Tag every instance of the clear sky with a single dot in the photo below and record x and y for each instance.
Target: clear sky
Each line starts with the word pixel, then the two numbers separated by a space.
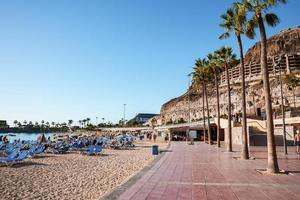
pixel 73 59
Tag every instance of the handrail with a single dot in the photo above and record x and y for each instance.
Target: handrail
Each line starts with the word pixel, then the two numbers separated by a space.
pixel 261 127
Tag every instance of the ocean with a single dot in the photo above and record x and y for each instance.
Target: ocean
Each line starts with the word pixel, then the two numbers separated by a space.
pixel 25 136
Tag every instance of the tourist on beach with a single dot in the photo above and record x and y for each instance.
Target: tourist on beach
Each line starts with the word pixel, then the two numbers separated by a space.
pixel 297 141
pixel 5 140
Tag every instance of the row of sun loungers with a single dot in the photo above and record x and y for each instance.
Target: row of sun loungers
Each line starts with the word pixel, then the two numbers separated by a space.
pixel 17 152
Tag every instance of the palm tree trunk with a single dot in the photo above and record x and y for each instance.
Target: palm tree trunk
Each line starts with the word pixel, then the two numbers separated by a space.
pixel 229 137
pixel 253 99
pixel 272 156
pixel 294 98
pixel 245 151
pixel 208 116
pixel 218 110
pixel 203 113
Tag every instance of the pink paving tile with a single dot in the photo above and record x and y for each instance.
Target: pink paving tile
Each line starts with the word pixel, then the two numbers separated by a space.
pixel 202 171
pixel 185 192
pixel 274 194
pixel 170 192
pixel 249 193
pixel 199 192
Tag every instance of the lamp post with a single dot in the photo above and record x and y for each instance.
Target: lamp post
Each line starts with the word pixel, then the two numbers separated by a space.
pixel 282 106
pixel 189 108
pixel 96 121
pixel 124 114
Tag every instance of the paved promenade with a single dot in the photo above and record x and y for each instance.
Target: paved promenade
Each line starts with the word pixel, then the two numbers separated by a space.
pixel 201 171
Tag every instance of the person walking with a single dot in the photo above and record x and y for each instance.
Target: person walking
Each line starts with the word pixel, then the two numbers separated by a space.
pixel 297 141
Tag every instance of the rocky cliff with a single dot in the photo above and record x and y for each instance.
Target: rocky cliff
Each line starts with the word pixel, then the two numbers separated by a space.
pixel 286 42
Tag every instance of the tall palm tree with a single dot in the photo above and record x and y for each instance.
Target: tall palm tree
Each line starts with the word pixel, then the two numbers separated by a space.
pixel 201 76
pixel 234 20
pixel 70 122
pixel 215 69
pixel 197 76
pixel 15 123
pixel 253 95
pixel 260 8
pixel 84 122
pixel 88 121
pixel 206 81
pixel 227 58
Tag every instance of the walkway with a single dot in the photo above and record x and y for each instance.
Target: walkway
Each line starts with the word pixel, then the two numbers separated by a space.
pixel 201 171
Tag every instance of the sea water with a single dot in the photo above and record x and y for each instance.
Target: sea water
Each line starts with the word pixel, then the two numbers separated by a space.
pixel 25 136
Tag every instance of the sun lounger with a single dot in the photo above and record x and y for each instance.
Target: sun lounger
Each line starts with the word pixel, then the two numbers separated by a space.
pixel 40 149
pixel 2 145
pixel 11 157
pixel 22 155
pixel 98 149
pixel 90 150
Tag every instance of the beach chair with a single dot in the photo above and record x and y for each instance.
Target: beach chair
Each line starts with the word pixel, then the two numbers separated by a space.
pixel 31 150
pixel 22 155
pixel 40 149
pixel 9 149
pixel 98 149
pixel 90 150
pixel 11 157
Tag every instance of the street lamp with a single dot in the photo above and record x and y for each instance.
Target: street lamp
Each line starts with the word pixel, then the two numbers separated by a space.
pixel 96 121
pixel 282 105
pixel 189 107
pixel 124 113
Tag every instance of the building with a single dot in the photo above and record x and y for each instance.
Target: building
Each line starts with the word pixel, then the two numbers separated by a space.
pixel 141 118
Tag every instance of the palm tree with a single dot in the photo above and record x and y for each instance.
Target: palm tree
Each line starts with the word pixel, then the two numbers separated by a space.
pixel 201 77
pixel 53 124
pixel 80 122
pixel 15 123
pixel 292 82
pixel 215 69
pixel 84 122
pixel 70 122
pixel 25 122
pixel 253 94
pixel 227 58
pixel 260 16
pixel 88 121
pixel 234 20
pixel 197 81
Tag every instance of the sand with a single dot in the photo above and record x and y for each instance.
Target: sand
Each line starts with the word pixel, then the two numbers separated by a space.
pixel 73 175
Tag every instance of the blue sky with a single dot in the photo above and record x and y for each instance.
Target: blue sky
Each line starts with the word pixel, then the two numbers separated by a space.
pixel 73 59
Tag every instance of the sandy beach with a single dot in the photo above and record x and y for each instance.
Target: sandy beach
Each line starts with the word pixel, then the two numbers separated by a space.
pixel 73 175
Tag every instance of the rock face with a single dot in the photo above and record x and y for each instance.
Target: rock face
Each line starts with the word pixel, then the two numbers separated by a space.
pixel 287 43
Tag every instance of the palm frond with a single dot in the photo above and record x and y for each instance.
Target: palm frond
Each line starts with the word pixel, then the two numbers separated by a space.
pixel 271 19
pixel 224 36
